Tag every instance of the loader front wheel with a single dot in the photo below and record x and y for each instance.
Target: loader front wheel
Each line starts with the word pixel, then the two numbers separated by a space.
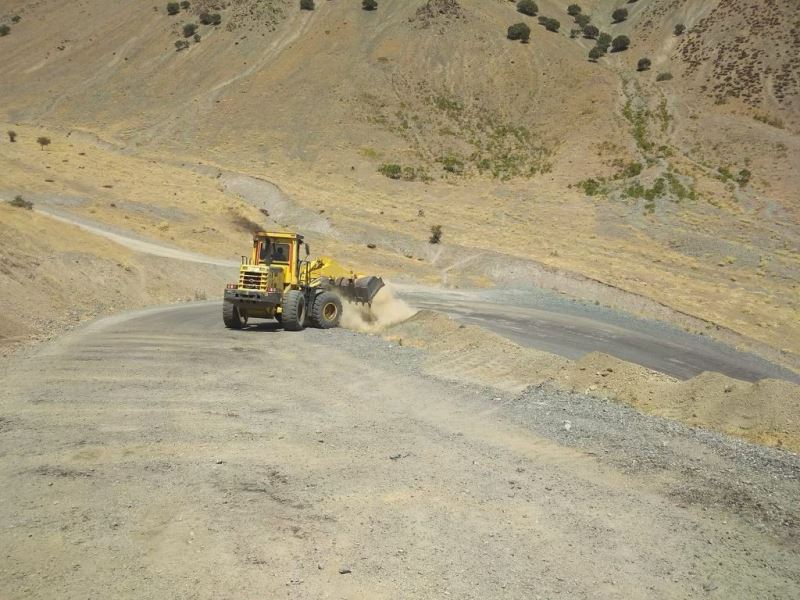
pixel 231 316
pixel 294 310
pixel 327 311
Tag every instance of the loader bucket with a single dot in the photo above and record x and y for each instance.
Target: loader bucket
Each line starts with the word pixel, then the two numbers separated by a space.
pixel 361 290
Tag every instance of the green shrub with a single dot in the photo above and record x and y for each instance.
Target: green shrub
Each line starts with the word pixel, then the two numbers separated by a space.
pixel 591 32
pixel 519 31
pixel 12 135
pixel 436 234
pixel 574 10
pixel 632 170
pixel 181 45
pixel 679 29
pixel 391 170
pixel 369 4
pixel 643 64
pixel 619 15
pixel 603 42
pixel 582 20
pixel 210 18
pixel 744 177
pixel 20 202
pixel 595 53
pixel 197 38
pixel 552 25
pixel 664 76
pixel 527 7
pixel 307 5
pixel 189 30
pixel 173 8
pixel 185 5
pixel 620 43
pixel 452 164
pixel 16 19
pixel 591 187
pixel 4 30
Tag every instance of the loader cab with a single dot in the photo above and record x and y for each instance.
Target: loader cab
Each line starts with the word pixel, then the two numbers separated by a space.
pixel 281 250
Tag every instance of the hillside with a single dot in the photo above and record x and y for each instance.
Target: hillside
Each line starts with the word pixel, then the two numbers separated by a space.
pixel 531 157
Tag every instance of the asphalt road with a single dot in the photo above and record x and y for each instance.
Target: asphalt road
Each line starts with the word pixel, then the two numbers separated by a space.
pixel 543 321
pixel 157 455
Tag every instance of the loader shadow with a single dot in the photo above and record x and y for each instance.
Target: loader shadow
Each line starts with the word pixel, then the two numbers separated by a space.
pixel 262 327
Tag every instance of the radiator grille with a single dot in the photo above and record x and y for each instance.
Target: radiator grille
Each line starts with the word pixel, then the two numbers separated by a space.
pixel 253 280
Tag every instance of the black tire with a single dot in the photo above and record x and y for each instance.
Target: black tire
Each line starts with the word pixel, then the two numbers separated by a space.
pixel 294 310
pixel 231 316
pixel 279 317
pixel 327 311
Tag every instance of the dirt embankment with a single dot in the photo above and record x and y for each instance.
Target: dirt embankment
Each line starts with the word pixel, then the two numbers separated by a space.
pixel 766 412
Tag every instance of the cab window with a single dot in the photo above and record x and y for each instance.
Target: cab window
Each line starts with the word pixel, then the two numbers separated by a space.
pixel 271 251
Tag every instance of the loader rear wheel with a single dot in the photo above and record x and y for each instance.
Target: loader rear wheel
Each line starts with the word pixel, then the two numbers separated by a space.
pixel 231 316
pixel 294 310
pixel 327 311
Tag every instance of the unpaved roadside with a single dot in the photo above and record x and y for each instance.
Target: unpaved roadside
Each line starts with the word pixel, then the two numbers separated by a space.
pixel 158 455
pixel 133 243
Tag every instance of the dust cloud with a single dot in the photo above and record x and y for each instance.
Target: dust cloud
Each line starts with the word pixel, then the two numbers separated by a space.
pixel 386 310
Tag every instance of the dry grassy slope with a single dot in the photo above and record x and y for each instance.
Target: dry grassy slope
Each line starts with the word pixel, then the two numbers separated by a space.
pixel 300 91
pixel 318 100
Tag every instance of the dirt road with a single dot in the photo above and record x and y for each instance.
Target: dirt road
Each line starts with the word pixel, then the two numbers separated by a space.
pixel 158 455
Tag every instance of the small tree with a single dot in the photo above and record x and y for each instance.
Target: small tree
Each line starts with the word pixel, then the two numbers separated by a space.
pixel 207 18
pixel 573 10
pixel 679 29
pixel 369 4
pixel 591 32
pixel 43 141
pixel 595 53
pixel 189 30
pixel 619 15
pixel 643 64
pixel 582 20
pixel 436 234
pixel 16 19
pixel 12 135
pixel 181 45
pixel 306 4
pixel 4 30
pixel 744 177
pixel 173 8
pixel 527 7
pixel 603 42
pixel 552 25
pixel 620 43
pixel 519 31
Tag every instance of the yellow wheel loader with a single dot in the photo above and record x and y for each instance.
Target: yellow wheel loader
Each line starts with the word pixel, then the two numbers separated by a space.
pixel 276 283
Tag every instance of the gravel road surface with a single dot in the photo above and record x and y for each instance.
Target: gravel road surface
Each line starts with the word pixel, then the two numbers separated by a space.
pixel 157 455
